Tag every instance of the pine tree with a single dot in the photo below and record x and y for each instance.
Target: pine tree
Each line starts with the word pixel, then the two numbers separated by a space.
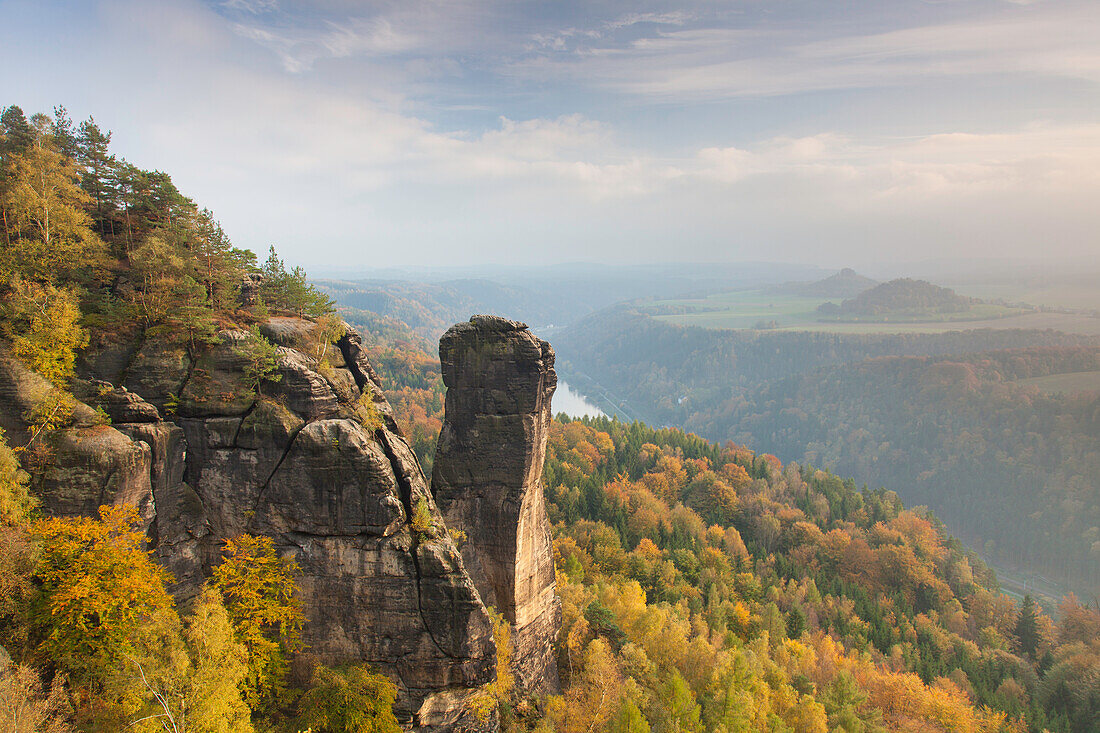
pixel 1027 627
pixel 16 135
pixel 64 133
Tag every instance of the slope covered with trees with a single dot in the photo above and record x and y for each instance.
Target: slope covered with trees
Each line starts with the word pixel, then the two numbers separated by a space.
pixel 94 253
pixel 703 586
pixel 706 587
pixel 920 413
pixel 956 433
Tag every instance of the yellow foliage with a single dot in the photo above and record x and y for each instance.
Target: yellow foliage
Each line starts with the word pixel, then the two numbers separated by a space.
pixel 16 502
pixel 43 323
pixel 258 589
pixel 103 595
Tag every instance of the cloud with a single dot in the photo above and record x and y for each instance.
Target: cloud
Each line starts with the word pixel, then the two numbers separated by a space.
pixel 344 164
pixel 255 7
pixel 782 59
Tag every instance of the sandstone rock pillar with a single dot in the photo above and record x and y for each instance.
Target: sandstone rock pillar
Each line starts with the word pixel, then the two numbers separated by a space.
pixel 487 479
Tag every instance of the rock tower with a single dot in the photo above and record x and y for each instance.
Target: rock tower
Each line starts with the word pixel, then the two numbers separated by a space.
pixel 487 479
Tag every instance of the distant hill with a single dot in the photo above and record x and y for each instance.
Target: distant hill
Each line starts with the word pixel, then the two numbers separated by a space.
pixel 845 284
pixel 548 296
pixel 903 296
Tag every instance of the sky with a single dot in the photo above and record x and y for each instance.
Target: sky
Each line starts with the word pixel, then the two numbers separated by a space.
pixel 454 132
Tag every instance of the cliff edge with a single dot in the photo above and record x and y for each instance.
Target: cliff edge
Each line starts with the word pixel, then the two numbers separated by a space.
pixel 308 454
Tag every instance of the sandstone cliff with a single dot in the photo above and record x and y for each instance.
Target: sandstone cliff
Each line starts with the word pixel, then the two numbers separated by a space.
pixel 315 461
pixel 487 479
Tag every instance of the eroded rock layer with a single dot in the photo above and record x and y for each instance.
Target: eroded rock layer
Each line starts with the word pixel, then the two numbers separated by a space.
pixel 313 460
pixel 487 479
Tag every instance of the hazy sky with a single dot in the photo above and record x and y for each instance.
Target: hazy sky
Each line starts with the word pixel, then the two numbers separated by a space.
pixel 455 131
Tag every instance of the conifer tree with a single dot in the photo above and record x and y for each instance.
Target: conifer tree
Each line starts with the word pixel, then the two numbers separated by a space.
pixel 92 153
pixel 1027 627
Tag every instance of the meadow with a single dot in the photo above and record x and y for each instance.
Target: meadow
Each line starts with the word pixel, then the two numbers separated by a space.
pixel 1069 383
pixel 758 309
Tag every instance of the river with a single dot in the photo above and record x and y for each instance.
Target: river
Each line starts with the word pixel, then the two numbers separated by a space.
pixel 572 404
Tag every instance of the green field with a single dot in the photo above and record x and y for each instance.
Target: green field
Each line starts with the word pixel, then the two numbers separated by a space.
pixel 746 309
pixel 1066 383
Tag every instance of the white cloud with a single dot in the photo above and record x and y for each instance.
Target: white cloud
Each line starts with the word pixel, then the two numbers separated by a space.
pixel 723 62
pixel 343 168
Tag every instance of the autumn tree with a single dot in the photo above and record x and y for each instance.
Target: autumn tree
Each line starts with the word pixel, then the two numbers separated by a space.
pixel 351 699
pixel 49 236
pixel 101 592
pixel 43 324
pixel 16 501
pixel 259 592
pixel 218 666
pixel 29 706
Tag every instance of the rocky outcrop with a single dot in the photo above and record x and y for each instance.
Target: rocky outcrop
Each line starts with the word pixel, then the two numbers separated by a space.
pixel 487 479
pixel 314 459
pixel 83 464
pixel 316 462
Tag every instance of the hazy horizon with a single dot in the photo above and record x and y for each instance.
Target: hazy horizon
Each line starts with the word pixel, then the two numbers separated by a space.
pixel 383 134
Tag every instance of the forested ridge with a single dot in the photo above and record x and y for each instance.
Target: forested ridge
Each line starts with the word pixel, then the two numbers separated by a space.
pixel 936 417
pixel 97 255
pixel 1012 467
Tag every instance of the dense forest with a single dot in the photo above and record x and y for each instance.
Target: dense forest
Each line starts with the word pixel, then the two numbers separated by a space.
pixel 665 372
pixel 706 587
pixel 956 433
pixel 703 586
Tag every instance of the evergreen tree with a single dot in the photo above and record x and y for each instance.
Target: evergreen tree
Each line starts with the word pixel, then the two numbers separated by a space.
pixel 65 133
pixel 18 133
pixel 92 153
pixel 1027 628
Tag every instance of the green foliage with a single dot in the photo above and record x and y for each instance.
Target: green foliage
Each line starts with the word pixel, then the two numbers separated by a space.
pixel 258 588
pixel 352 699
pixel 259 357
pixel 290 291
pixel 1027 628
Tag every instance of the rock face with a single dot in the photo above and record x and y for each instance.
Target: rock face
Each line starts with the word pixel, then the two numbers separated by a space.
pixel 91 464
pixel 487 479
pixel 315 461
